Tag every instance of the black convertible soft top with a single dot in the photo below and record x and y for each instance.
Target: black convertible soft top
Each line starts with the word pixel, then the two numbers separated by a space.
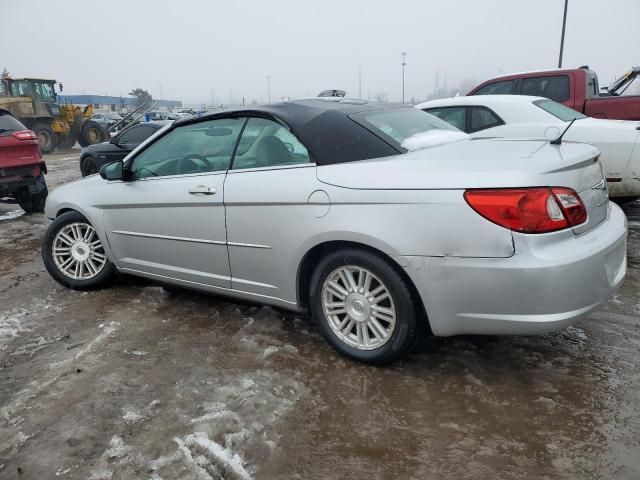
pixel 323 125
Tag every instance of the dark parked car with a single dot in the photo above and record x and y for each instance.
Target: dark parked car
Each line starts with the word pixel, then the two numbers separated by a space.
pixel 93 157
pixel 106 120
pixel 21 166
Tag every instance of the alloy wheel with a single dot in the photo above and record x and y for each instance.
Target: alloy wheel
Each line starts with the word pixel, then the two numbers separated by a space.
pixel 78 252
pixel 358 307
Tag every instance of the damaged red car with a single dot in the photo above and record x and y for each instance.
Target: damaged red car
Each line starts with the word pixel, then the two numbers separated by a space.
pixel 22 169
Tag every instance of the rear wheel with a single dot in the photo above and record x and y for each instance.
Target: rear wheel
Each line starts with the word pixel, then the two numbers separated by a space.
pixel 91 133
pixel 89 166
pixel 363 306
pixel 34 202
pixel 73 253
pixel 46 137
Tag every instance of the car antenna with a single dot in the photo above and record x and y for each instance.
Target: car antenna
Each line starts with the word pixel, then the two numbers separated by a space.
pixel 558 141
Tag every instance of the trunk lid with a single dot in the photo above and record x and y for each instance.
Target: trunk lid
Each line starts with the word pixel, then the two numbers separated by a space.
pixel 484 163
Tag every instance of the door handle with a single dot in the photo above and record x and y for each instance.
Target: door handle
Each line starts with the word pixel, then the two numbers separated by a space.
pixel 202 190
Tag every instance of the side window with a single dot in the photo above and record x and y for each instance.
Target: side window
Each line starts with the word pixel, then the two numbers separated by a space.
pixel 195 148
pixel 455 116
pixel 483 118
pixel 498 88
pixel 556 87
pixel 135 135
pixel 266 143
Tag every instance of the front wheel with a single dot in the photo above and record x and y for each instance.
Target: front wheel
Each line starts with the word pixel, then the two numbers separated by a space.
pixel 74 255
pixel 91 133
pixel 363 306
pixel 46 137
pixel 89 166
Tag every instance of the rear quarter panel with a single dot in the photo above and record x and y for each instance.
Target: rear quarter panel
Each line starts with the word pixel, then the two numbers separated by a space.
pixel 616 108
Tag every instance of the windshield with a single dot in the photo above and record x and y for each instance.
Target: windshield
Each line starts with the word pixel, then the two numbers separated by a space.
pixel 402 124
pixel 44 91
pixel 559 110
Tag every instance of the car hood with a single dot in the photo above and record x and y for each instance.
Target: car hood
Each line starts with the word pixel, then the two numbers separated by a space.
pixel 100 147
pixel 476 163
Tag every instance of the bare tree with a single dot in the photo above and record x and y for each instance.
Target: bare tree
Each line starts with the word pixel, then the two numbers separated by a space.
pixel 142 95
pixel 381 97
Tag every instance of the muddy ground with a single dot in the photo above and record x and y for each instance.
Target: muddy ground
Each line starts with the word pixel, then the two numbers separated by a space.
pixel 131 382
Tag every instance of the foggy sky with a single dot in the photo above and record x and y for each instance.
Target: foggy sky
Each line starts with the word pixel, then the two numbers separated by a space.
pixel 193 50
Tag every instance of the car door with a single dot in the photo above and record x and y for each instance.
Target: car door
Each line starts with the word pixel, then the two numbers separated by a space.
pixel 167 219
pixel 123 144
pixel 267 192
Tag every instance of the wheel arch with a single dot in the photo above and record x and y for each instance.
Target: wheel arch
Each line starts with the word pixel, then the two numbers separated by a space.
pixel 94 219
pixel 313 255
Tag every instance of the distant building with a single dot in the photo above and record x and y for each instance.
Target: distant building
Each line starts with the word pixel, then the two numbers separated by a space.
pixel 107 102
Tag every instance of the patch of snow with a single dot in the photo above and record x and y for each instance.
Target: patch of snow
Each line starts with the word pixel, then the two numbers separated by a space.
pixel 101 474
pixel 237 421
pixel 137 353
pixel 131 418
pixel 62 471
pixel 432 138
pixel 32 347
pixel 223 456
pixel 117 448
pixel 11 325
pixel 11 215
pixel 270 350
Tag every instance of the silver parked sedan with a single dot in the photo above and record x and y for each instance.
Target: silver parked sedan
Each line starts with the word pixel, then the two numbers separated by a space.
pixel 381 221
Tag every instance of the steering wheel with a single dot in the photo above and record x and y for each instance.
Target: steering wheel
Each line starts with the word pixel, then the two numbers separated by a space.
pixel 192 163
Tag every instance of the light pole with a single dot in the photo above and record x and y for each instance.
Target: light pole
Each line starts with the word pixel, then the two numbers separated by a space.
pixel 268 89
pixel 404 63
pixel 564 25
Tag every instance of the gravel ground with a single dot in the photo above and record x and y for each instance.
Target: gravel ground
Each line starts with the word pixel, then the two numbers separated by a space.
pixel 131 382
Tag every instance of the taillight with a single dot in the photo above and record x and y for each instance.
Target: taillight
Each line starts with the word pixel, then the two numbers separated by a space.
pixel 529 210
pixel 24 135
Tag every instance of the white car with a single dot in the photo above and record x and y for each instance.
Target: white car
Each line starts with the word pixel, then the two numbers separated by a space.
pixel 513 116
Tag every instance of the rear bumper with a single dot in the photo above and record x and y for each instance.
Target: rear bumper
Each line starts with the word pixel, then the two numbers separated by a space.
pixel 551 282
pixel 13 178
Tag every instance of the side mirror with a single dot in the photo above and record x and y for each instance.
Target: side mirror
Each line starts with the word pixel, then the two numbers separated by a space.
pixel 113 171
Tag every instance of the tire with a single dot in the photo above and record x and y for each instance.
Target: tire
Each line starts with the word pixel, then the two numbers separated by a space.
pixel 84 247
pixel 32 202
pixel 394 335
pixel 66 141
pixel 46 137
pixel 88 166
pixel 91 133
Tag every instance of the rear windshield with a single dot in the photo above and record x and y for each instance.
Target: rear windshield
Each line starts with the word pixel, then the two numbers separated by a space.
pixel 559 110
pixel 396 126
pixel 9 124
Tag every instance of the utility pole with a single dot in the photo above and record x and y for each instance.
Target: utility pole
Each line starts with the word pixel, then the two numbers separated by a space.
pixel 404 63
pixel 360 82
pixel 268 89
pixel 564 25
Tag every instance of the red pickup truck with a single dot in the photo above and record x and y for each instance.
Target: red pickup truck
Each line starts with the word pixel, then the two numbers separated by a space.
pixel 576 88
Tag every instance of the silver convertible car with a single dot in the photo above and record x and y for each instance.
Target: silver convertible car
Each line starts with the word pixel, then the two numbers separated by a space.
pixel 381 221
